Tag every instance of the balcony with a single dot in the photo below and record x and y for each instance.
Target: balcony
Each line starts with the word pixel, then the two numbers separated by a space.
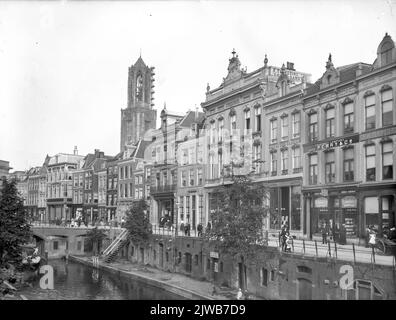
pixel 163 189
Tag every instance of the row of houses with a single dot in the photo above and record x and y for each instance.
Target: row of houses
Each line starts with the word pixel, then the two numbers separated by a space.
pixel 324 150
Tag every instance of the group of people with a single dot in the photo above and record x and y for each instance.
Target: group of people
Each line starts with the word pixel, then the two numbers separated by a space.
pixel 286 239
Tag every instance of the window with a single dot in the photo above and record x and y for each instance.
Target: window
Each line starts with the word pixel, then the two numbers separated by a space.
pixel 387 160
pixel 247 119
pixel 272 275
pixel 264 277
pixel 370 163
pixel 130 189
pixel 257 157
pixel 348 118
pixel 330 166
pixel 126 191
pixel 370 111
pixel 274 129
pixel 181 207
pixel 188 208
pixel 55 243
pixel 387 108
pixel 273 162
pixel 296 153
pixel 284 157
pixel 184 178
pixel 136 193
pixel 296 121
pixel 221 129
pixel 313 169
pixel 200 181
pixel 348 165
pixel 285 127
pixel 212 166
pixel 192 177
pixel 233 122
pixel 258 119
pixel 330 132
pixel 200 209
pixel 185 156
pixel 313 126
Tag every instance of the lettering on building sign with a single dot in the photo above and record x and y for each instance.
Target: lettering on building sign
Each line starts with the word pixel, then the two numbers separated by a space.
pixel 214 254
pixel 335 143
pixel 294 76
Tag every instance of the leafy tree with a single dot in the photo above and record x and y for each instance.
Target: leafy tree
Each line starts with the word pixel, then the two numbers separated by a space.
pixel 95 238
pixel 14 228
pixel 138 223
pixel 237 224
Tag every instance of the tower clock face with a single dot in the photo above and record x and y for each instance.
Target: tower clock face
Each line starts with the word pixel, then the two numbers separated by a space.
pixel 139 87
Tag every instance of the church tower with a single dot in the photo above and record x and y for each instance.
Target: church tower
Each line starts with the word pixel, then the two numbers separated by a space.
pixel 139 115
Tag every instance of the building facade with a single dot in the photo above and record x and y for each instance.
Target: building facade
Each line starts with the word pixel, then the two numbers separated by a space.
pixel 349 181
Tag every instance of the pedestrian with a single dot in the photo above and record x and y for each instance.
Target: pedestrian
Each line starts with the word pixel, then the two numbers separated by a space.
pixel 372 239
pixel 199 229
pixel 239 294
pixel 288 242
pixel 208 227
pixel 187 229
pixel 182 227
pixel 324 233
pixel 282 237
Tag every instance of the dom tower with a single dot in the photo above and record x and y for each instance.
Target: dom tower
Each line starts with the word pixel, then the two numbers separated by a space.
pixel 139 116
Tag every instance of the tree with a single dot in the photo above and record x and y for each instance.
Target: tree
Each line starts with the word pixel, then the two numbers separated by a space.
pixel 95 238
pixel 14 228
pixel 138 223
pixel 237 224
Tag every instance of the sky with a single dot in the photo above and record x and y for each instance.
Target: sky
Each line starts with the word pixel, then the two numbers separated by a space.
pixel 64 64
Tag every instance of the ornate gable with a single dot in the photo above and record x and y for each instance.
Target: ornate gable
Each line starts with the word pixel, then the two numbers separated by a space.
pixel 331 76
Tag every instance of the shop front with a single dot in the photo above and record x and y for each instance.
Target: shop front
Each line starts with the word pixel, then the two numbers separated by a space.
pixel 285 206
pixel 378 208
pixel 336 213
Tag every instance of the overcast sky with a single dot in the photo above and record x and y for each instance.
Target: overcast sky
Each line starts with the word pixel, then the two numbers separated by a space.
pixel 63 65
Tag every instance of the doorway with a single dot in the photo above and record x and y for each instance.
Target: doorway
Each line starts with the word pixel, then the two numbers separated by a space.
pixel 188 262
pixel 161 255
pixel 304 287
pixel 242 276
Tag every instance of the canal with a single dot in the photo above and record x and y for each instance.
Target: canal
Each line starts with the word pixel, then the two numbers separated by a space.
pixel 75 281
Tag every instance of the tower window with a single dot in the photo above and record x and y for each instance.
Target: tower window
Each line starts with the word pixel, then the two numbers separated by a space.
pixel 139 88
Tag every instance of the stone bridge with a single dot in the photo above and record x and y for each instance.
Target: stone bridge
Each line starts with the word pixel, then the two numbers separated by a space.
pixel 57 241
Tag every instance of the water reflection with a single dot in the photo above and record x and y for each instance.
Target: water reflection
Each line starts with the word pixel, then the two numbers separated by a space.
pixel 75 281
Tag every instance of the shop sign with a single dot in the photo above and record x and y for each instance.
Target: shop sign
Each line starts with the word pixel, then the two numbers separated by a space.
pixel 349 202
pixel 334 143
pixel 214 254
pixel 321 202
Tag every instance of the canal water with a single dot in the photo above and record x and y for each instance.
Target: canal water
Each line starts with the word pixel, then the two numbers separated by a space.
pixel 75 281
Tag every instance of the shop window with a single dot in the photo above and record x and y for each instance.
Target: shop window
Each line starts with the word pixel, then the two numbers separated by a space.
pixel 371 210
pixel 264 277
pixel 78 245
pixel 330 166
pixel 370 163
pixel 313 169
pixel 370 111
pixel 295 223
pixel 55 245
pixel 387 108
pixel 196 260
pixel 313 127
pixel 330 127
pixel 348 164
pixel 387 160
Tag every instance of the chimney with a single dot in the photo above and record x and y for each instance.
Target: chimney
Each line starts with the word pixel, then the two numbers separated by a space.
pixel 290 66
pixel 75 152
pixel 359 70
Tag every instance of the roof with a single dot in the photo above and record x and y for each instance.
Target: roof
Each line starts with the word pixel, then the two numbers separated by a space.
pixel 141 147
pixel 64 157
pixel 191 117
